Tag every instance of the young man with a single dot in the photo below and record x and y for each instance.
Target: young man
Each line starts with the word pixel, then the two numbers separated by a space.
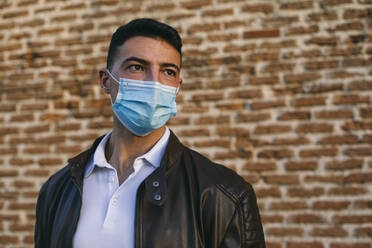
pixel 138 186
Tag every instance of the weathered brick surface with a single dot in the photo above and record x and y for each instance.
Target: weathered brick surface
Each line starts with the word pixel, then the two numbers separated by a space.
pixel 280 91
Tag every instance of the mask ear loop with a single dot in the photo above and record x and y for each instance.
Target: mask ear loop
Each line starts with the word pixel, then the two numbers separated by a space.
pixel 108 72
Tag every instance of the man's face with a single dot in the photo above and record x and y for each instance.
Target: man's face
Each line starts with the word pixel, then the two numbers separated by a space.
pixel 146 59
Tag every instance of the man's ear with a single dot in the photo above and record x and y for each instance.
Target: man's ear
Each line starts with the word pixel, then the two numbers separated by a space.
pixel 179 86
pixel 104 81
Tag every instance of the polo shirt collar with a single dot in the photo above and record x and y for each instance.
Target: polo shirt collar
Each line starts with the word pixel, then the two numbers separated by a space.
pixel 153 156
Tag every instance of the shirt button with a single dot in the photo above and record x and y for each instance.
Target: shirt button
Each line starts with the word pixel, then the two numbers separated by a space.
pixel 112 179
pixel 157 197
pixel 155 184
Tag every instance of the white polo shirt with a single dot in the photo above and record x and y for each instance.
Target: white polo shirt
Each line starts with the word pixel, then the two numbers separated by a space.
pixel 108 209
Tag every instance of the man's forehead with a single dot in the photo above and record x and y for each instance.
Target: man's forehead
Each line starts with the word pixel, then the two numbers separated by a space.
pixel 149 49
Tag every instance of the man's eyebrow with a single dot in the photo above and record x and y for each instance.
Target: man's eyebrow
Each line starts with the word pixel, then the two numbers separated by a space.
pixel 139 60
pixel 145 62
pixel 171 65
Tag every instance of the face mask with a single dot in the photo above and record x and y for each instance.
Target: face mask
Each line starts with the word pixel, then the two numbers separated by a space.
pixel 144 106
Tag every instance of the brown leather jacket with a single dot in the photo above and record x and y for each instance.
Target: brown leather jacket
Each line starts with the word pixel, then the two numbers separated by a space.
pixel 201 204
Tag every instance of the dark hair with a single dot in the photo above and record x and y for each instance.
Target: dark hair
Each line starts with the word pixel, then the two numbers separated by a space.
pixel 143 27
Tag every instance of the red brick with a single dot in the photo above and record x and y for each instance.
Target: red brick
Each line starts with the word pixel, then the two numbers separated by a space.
pixel 314 128
pixel 37 173
pixel 280 20
pixel 324 179
pixel 306 218
pixel 81 27
pixel 303 165
pixel 332 3
pixel 362 85
pixel 331 205
pixel 294 115
pixel 9 239
pixel 224 83
pixel 285 232
pixel 242 117
pixel 275 153
pixel 339 140
pixel 21 227
pixel 352 219
pixel 8 173
pixel 321 65
pixel 323 41
pixel 263 80
pixel 208 120
pixel 350 245
pixel 52 139
pixel 335 114
pixel 262 56
pixel 208 27
pixel 277 67
pixel 255 34
pixel 268 192
pixel 231 131
pixel 267 104
pixel 264 8
pixel 288 205
pixel 195 4
pixel 63 18
pixel 278 44
pixel 345 191
pixel 21 161
pixel 357 62
pixel 37 129
pixel 233 154
pixel 271 219
pixel 365 177
pixel 50 161
pixel 300 5
pixel 357 125
pixel 269 129
pixel 365 112
pixel 213 143
pixel 259 166
pixel 98 125
pixel 15 13
pixel 298 78
pixel 350 99
pixel 361 151
pixel 159 6
pixel 207 97
pixel 70 149
pixel 291 141
pixel 309 101
pixel 219 12
pixel 282 179
pixel 21 206
pixel 300 30
pixel 363 232
pixel 195 132
pixel 303 244
pixel 345 164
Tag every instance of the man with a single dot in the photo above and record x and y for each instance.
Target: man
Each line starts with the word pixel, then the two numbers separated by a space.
pixel 138 186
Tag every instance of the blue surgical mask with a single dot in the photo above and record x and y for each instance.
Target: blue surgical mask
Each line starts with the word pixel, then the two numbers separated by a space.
pixel 144 106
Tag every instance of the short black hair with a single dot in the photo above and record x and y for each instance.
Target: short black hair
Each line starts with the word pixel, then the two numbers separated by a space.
pixel 143 27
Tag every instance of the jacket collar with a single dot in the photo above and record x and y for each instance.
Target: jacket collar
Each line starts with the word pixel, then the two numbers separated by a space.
pixel 155 183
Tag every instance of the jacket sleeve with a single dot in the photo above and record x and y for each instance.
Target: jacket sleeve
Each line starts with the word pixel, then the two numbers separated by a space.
pixel 245 229
pixel 40 235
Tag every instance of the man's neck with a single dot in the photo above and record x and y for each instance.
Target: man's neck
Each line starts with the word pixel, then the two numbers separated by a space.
pixel 123 148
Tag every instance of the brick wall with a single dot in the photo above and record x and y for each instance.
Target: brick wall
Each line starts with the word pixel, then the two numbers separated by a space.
pixel 279 90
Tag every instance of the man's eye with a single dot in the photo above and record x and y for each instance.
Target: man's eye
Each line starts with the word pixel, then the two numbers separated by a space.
pixel 170 72
pixel 136 67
